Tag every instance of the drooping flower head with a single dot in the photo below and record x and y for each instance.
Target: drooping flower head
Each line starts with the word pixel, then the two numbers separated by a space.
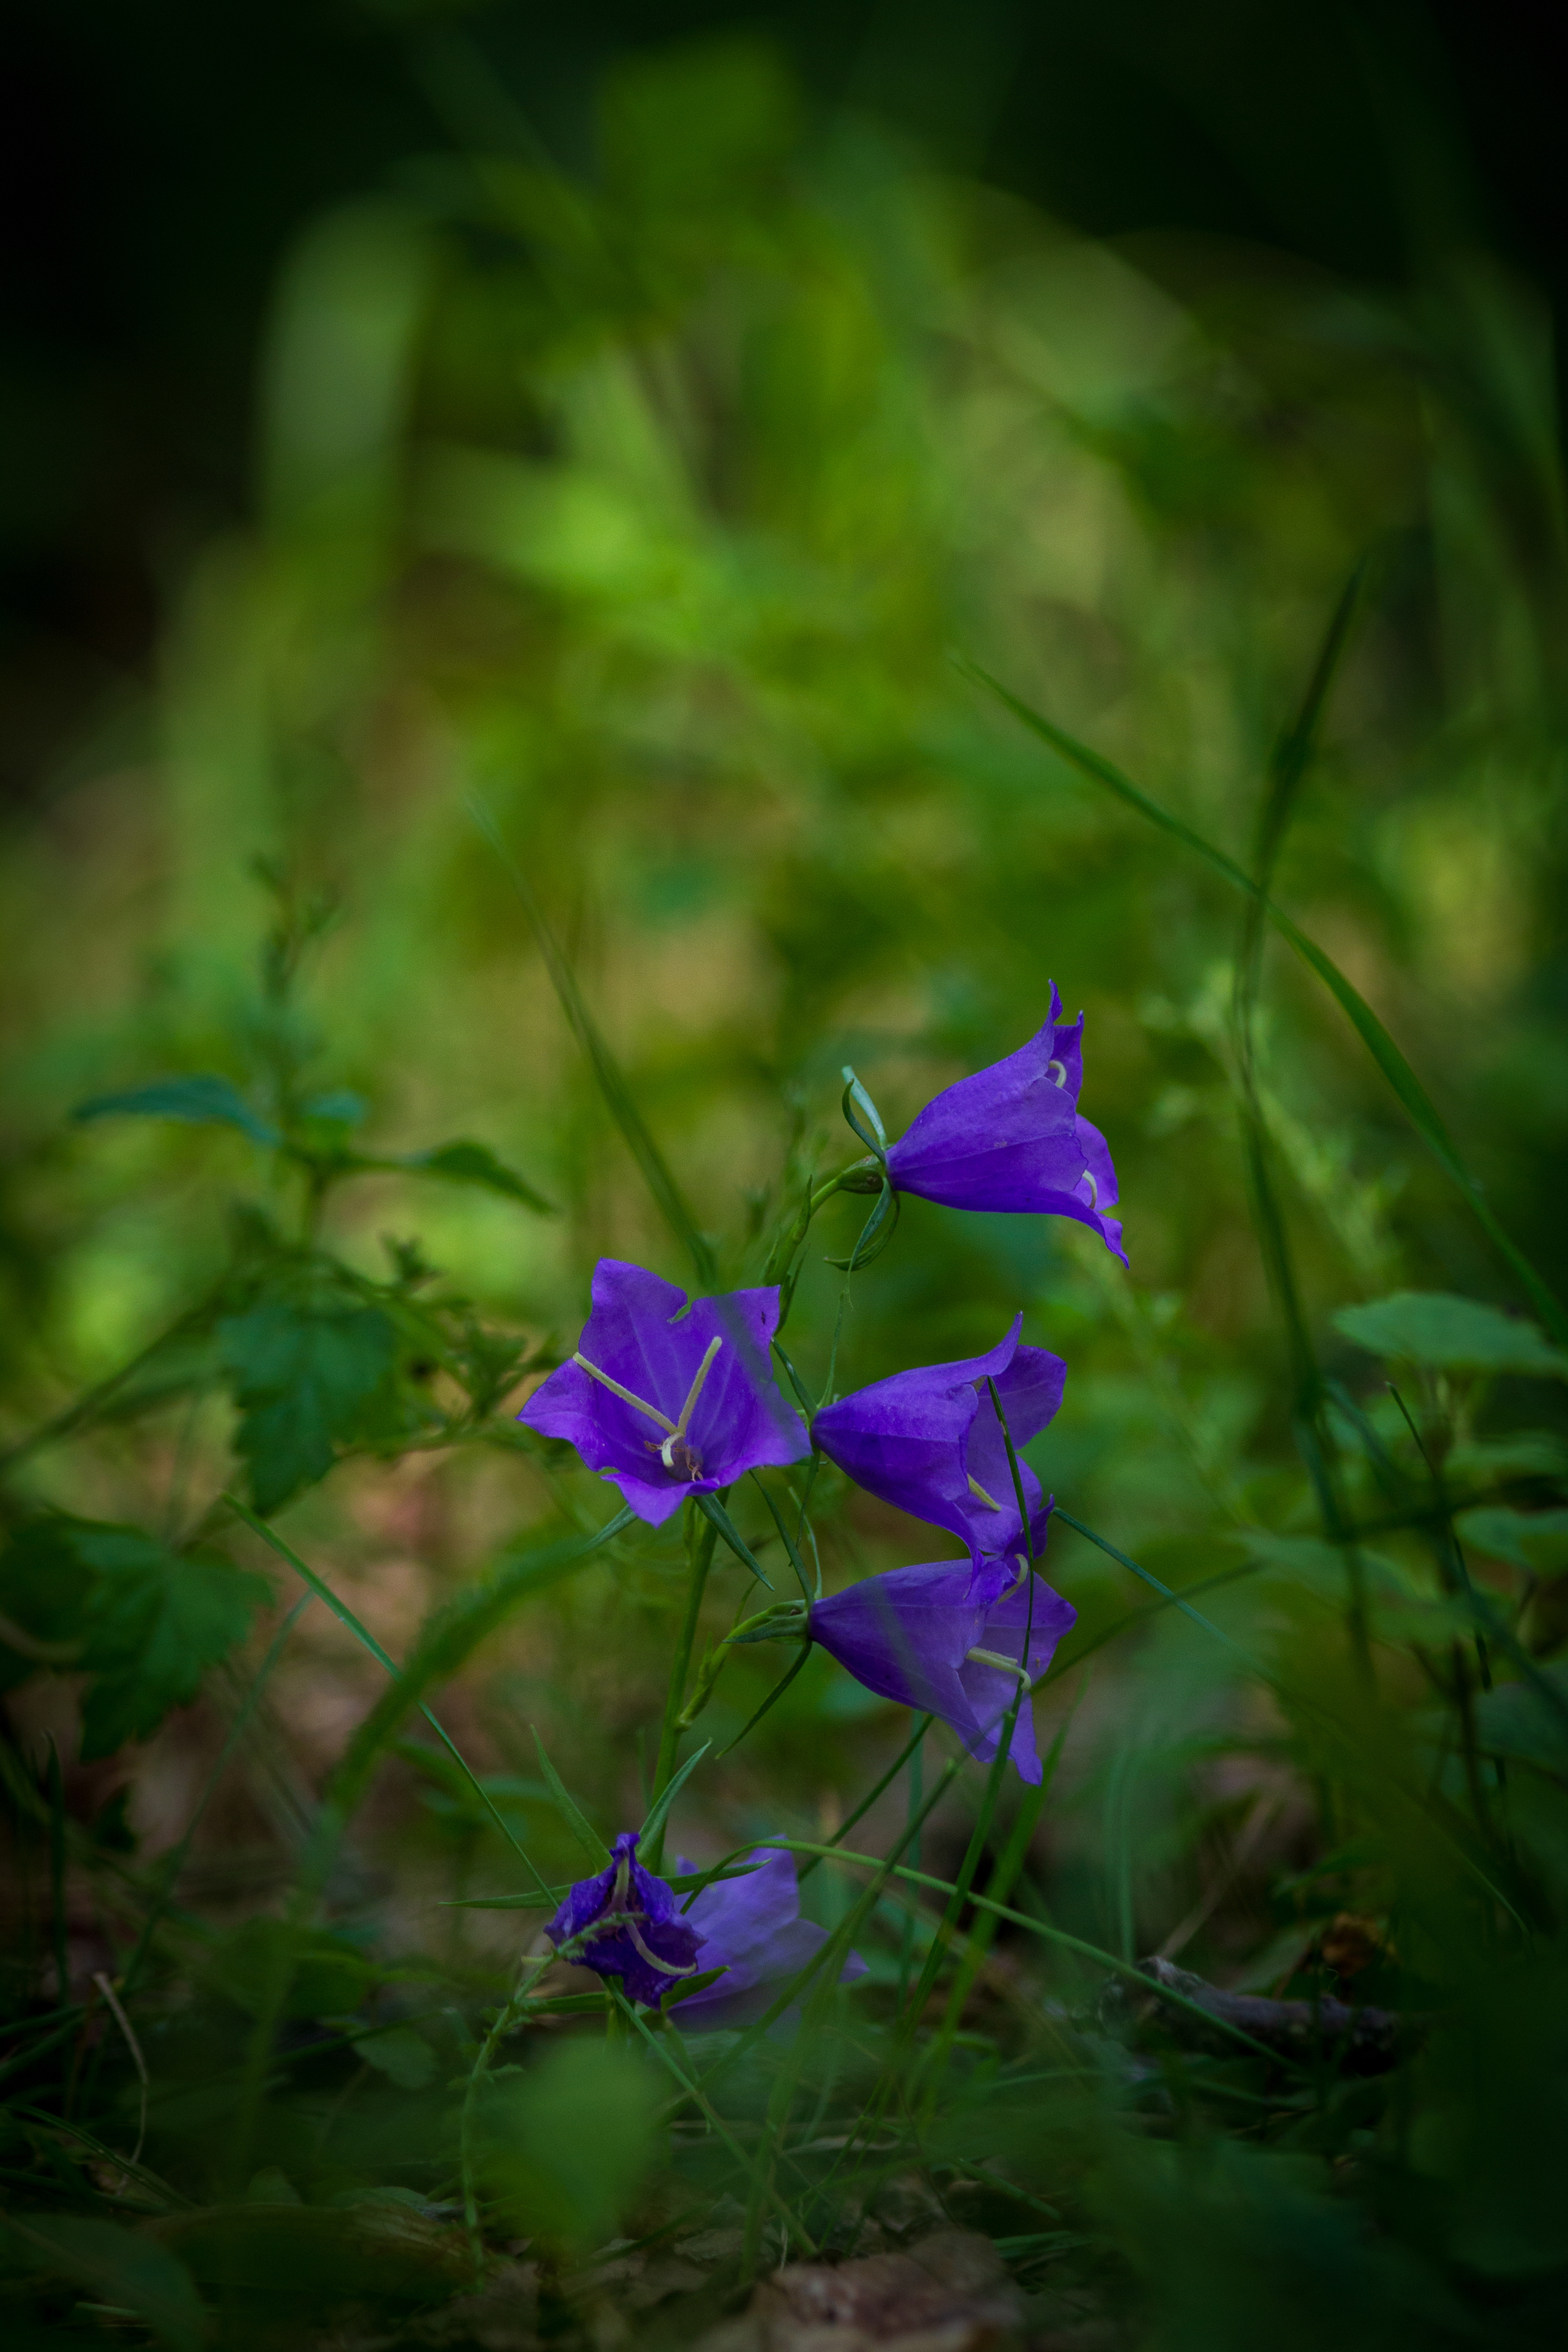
pixel 951 1644
pixel 1011 1138
pixel 667 1402
pixel 928 1441
pixel 639 1935
pixel 751 1927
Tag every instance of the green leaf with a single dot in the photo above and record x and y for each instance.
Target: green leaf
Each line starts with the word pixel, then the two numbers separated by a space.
pixel 476 1163
pixel 564 2146
pixel 148 1621
pixel 1428 1327
pixel 1534 1540
pixel 587 1837
pixel 44 1587
pixel 1518 1720
pixel 403 2056
pixel 120 2267
pixel 205 1100
pixel 324 1978
pixel 303 1377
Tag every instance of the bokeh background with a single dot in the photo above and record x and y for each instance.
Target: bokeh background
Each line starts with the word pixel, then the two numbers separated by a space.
pixel 631 425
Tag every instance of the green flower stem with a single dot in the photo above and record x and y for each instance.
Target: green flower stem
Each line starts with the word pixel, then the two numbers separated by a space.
pixel 701 1534
pixel 781 1257
pixel 507 2017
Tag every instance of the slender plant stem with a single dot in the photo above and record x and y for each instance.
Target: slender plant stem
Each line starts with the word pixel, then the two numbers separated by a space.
pixel 700 1538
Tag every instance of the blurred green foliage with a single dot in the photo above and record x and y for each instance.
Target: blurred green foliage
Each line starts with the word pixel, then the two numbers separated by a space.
pixel 634 518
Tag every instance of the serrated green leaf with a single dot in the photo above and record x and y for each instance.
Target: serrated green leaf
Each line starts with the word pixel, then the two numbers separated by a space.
pixel 154 1621
pixel 303 1377
pixel 581 1829
pixel 1429 1327
pixel 203 1100
pixel 475 1163
pixel 44 1587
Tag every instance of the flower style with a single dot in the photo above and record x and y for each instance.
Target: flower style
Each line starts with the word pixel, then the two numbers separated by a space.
pixel 751 1927
pixel 930 1441
pixel 642 1938
pixel 1011 1138
pixel 699 1379
pixel 951 1644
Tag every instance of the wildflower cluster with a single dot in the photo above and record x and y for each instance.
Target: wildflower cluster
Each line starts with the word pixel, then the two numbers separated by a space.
pixel 671 1398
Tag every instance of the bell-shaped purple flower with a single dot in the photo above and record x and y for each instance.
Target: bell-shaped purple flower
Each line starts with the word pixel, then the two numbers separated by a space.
pixel 640 1935
pixel 751 1927
pixel 1011 1138
pixel 928 1441
pixel 667 1403
pixel 950 1644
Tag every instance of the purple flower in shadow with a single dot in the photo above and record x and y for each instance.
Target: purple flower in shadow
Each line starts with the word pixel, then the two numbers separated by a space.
pixel 751 1927
pixel 669 1403
pixel 639 1934
pixel 930 1441
pixel 1011 1138
pixel 951 1644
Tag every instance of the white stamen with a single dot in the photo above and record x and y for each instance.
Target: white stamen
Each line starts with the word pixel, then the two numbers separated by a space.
pixel 1093 1188
pixel 695 1390
pixel 665 1968
pixel 980 1495
pixel 1058 1073
pixel 678 1434
pixel 641 1403
pixel 1006 1665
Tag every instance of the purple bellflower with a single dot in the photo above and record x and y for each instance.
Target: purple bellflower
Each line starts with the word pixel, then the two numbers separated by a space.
pixel 639 1932
pixel 1011 1138
pixel 951 1644
pixel 928 1441
pixel 751 1927
pixel 665 1403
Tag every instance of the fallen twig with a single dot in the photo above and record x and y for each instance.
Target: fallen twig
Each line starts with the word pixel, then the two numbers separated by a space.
pixel 1362 2040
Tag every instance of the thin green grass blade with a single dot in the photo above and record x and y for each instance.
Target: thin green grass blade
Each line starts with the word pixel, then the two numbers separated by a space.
pixel 879 1787
pixel 577 1822
pixel 170 1877
pixel 1413 1096
pixel 58 1872
pixel 1042 1928
pixel 612 1084
pixel 713 1508
pixel 659 2045
pixel 771 1699
pixel 786 1538
pixel 352 1772
pixel 653 1827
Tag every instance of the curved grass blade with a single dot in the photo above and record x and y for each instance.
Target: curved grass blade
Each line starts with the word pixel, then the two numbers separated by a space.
pixel 776 1692
pixel 576 1820
pixel 1036 1927
pixel 1416 1103
pixel 455 1630
pixel 713 1509
pixel 659 1813
pixel 612 1084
